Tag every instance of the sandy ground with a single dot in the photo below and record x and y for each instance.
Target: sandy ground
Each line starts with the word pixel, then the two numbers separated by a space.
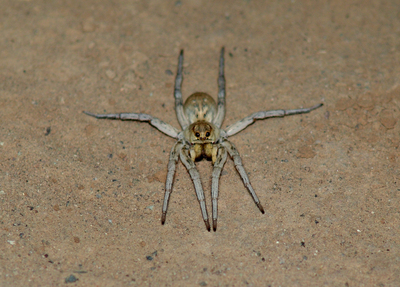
pixel 81 198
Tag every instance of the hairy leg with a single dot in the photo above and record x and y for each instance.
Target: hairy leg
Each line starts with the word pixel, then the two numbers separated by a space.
pixel 183 121
pixel 239 167
pixel 218 165
pixel 173 159
pixel 158 124
pixel 194 174
pixel 219 118
pixel 244 123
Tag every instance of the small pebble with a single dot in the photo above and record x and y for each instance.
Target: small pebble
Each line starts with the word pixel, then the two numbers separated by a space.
pixel 48 131
pixel 111 74
pixel 71 279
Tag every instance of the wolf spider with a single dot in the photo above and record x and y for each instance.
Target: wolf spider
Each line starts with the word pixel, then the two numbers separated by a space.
pixel 202 137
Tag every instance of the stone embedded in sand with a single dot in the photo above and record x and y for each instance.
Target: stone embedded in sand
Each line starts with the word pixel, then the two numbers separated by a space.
pixel 306 152
pixel 159 176
pixel 393 93
pixel 367 101
pixel 90 129
pixel 387 119
pixel 344 104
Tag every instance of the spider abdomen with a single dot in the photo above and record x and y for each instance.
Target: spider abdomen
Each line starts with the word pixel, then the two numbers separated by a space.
pixel 200 107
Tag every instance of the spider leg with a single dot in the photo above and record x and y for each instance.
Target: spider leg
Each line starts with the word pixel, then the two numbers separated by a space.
pixel 173 159
pixel 244 123
pixel 158 124
pixel 218 165
pixel 239 167
pixel 182 119
pixel 219 118
pixel 194 174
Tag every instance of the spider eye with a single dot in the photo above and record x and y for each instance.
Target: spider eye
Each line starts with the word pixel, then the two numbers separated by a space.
pixel 207 134
pixel 197 134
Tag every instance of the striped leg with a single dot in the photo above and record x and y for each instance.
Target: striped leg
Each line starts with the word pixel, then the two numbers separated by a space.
pixel 158 124
pixel 173 159
pixel 244 123
pixel 183 121
pixel 194 174
pixel 218 165
pixel 221 91
pixel 239 166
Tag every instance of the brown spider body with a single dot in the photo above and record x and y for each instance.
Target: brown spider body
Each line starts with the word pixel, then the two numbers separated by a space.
pixel 200 109
pixel 202 137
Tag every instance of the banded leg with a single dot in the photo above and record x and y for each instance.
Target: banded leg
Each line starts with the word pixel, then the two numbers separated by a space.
pixel 219 118
pixel 158 124
pixel 194 174
pixel 244 123
pixel 218 165
pixel 183 121
pixel 173 159
pixel 239 167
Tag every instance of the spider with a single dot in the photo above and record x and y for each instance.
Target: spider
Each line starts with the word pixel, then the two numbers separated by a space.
pixel 202 137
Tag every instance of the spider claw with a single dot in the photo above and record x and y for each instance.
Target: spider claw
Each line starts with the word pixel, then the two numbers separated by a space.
pixel 316 106
pixel 207 225
pixel 260 208
pixel 163 217
pixel 89 114
pixel 214 225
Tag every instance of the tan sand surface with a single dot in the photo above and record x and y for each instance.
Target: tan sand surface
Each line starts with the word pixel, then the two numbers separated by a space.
pixel 81 198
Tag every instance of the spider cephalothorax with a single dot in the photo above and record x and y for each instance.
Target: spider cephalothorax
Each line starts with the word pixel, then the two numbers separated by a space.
pixel 201 136
pixel 201 132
